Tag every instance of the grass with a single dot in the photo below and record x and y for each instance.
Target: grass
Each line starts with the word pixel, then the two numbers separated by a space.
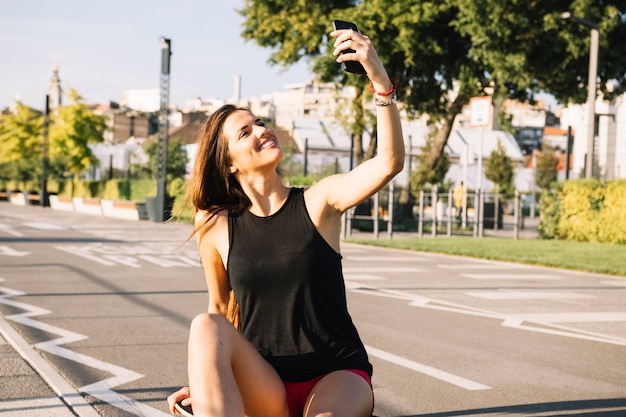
pixel 591 257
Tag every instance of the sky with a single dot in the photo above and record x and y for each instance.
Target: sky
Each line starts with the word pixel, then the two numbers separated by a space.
pixel 105 48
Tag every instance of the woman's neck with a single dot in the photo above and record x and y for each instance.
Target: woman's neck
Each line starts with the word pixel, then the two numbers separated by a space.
pixel 267 195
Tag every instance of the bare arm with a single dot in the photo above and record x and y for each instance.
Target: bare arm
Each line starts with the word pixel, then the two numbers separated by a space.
pixel 211 239
pixel 342 191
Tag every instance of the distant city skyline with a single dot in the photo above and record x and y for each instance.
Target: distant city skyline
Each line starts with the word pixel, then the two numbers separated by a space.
pixel 103 51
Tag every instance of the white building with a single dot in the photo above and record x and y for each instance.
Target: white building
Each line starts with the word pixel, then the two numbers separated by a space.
pixel 610 136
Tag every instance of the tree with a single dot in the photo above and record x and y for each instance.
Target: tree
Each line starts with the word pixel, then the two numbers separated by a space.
pixel 72 130
pixel 21 145
pixel 177 159
pixel 442 53
pixel 499 170
pixel 546 171
pixel 435 176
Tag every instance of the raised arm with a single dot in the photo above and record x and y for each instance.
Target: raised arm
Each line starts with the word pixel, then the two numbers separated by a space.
pixel 347 190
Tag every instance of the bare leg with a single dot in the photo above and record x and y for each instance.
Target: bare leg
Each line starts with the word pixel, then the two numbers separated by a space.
pixel 227 376
pixel 340 394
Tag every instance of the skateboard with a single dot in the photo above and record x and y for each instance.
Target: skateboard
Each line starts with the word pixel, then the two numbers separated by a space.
pixel 184 410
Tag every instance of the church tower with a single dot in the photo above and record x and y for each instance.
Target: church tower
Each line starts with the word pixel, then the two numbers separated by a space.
pixel 55 92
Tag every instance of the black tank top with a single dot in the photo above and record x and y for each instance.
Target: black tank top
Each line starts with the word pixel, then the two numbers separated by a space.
pixel 290 289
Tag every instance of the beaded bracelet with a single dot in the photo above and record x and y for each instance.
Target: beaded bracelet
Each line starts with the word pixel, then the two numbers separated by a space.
pixel 386 93
pixel 385 103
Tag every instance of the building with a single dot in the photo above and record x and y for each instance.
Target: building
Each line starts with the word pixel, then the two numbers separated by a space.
pixel 609 137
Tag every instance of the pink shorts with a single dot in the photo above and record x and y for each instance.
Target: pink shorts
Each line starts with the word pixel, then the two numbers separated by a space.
pixel 298 392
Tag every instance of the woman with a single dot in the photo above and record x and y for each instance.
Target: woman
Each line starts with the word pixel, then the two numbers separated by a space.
pixel 298 352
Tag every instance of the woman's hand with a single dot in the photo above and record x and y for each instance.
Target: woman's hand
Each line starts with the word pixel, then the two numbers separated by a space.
pixel 180 395
pixel 364 52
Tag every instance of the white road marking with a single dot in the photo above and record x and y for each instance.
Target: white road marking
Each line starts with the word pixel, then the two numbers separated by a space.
pixel 354 270
pixel 8 251
pixel 616 283
pixel 427 370
pixel 9 229
pixel 363 277
pixel 130 255
pixel 382 259
pixel 536 323
pixel 475 265
pixel 590 317
pixel 32 407
pixel 510 276
pixel 44 226
pixel 102 390
pixel 526 295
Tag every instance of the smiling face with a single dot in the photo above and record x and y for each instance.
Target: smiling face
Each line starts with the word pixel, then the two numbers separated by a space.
pixel 252 146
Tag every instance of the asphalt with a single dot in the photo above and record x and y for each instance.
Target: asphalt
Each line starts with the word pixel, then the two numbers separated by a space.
pixel 31 387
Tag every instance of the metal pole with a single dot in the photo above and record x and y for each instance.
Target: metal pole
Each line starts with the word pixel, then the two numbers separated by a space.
pixel 591 87
pixel 306 156
pixel 376 216
pixel 591 100
pixel 420 216
pixel 433 205
pixel 464 205
pixel 161 197
pixel 516 215
pixel 479 169
pixel 449 211
pixel 568 152
pixel 44 200
pixel 390 204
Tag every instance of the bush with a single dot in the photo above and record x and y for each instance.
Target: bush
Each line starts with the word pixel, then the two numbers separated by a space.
pixel 586 211
pixel 549 215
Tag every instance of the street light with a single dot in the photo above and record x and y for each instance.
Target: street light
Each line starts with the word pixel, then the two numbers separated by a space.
pixel 591 87
pixel 44 198
pixel 163 204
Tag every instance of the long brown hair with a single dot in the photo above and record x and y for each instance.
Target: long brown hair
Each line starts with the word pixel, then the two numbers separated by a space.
pixel 211 187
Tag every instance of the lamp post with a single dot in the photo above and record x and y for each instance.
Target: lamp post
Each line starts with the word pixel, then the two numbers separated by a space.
pixel 591 87
pixel 162 203
pixel 44 199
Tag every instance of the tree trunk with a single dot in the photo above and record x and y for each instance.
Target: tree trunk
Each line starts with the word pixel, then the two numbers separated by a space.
pixel 444 133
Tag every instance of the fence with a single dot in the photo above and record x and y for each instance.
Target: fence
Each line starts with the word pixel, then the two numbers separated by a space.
pixel 434 214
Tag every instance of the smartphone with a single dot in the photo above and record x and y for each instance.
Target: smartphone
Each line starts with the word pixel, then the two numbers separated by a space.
pixel 349 66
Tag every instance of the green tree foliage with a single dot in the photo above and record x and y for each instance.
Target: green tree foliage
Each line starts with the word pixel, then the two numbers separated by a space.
pixel 546 172
pixel 499 170
pixel 444 52
pixel 21 145
pixel 177 159
pixel 434 176
pixel 72 130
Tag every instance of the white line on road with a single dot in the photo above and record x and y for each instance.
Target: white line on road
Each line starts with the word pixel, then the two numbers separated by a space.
pixel 9 229
pixel 540 323
pixel 101 389
pixel 44 226
pixel 363 277
pixel 427 370
pixel 590 317
pixel 527 295
pixel 382 258
pixel 474 265
pixel 616 283
pixel 8 251
pixel 382 269
pixel 511 276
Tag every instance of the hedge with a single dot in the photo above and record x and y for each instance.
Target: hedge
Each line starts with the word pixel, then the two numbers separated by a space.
pixel 585 210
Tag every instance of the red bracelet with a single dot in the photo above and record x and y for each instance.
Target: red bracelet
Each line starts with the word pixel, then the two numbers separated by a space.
pixel 386 93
